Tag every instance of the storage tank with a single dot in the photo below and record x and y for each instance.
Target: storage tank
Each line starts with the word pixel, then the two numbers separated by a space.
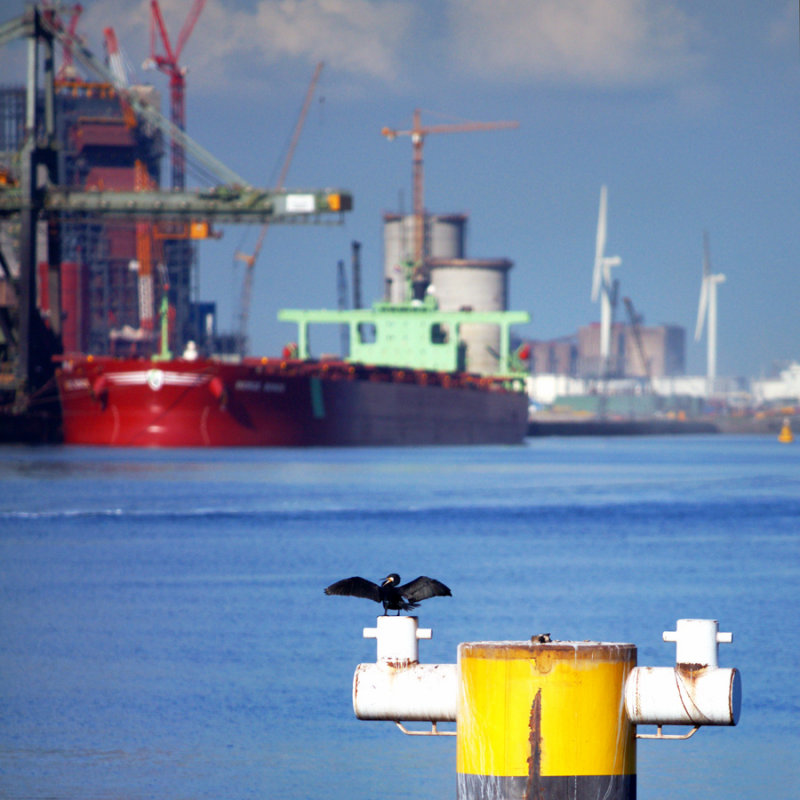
pixel 445 235
pixel 479 284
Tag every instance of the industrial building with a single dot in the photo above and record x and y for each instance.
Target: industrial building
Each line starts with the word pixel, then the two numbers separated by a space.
pixel 638 351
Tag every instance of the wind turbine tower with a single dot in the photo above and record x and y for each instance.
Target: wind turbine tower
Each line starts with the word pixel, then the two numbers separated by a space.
pixel 602 285
pixel 708 308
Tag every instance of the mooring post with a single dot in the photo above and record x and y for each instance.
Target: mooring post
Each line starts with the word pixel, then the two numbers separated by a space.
pixel 547 720
pixel 544 720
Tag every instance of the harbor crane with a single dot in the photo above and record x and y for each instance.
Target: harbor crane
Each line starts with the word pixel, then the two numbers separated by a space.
pixel 418 132
pixel 115 62
pixel 38 194
pixel 250 261
pixel 67 69
pixel 635 323
pixel 168 63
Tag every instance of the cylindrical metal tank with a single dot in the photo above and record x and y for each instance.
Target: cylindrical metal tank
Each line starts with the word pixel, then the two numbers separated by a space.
pixel 445 235
pixel 544 720
pixel 480 285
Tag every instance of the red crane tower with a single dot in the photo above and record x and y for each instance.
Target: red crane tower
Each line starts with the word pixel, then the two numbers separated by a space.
pixel 67 69
pixel 168 64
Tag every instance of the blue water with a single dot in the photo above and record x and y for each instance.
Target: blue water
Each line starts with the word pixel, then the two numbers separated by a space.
pixel 163 631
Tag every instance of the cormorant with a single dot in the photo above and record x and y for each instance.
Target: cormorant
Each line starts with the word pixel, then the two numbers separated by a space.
pixel 394 597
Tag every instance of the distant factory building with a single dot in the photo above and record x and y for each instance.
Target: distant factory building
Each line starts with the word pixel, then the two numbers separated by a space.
pixel 657 351
pixel 554 357
pixel 590 363
pixel 663 348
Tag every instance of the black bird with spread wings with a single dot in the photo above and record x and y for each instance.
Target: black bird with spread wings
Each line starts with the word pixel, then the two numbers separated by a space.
pixel 393 596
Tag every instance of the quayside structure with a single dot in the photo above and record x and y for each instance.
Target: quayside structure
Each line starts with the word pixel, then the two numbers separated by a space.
pixel 49 213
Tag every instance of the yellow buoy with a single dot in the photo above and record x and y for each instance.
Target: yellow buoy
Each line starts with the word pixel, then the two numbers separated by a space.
pixel 786 435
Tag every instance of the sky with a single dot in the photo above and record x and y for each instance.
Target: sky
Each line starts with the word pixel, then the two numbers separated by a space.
pixel 687 110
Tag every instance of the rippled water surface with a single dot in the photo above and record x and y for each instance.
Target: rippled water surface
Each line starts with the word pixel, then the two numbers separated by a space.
pixel 163 631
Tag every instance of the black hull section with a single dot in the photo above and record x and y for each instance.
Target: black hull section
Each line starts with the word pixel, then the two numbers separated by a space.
pixel 363 413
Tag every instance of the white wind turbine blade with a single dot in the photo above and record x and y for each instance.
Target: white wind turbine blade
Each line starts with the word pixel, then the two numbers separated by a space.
pixel 600 246
pixel 701 309
pixel 705 288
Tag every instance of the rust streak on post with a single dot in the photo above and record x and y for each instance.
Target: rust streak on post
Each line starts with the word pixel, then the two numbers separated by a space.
pixel 533 786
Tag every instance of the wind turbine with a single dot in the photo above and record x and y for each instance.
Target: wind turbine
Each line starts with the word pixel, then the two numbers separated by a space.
pixel 602 285
pixel 708 308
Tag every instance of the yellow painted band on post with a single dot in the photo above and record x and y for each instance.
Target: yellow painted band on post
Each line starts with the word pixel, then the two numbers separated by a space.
pixel 556 708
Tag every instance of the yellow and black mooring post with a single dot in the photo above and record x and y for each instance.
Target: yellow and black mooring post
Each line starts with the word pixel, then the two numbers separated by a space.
pixel 545 721
pixel 548 720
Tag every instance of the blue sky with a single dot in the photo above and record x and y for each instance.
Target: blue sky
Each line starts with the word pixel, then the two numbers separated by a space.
pixel 688 110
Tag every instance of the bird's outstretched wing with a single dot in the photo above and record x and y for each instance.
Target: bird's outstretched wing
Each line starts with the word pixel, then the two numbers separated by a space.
pixel 356 587
pixel 423 587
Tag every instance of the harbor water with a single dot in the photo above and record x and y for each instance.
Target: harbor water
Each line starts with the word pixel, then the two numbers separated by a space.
pixel 164 633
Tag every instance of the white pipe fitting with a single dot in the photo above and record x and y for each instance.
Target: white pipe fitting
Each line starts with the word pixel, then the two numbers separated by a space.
pixel 398 639
pixel 672 696
pixel 694 692
pixel 422 692
pixel 696 641
pixel 397 686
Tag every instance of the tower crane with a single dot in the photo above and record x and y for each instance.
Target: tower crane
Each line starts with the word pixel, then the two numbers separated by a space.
pixel 168 64
pixel 418 132
pixel 635 322
pixel 250 260
pixel 67 69
pixel 116 66
pixel 115 62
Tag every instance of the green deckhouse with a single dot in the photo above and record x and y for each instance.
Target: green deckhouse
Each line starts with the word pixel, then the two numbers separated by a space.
pixel 412 335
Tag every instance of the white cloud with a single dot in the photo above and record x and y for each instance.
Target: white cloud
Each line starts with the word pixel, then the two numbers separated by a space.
pixel 238 46
pixel 783 30
pixel 232 45
pixel 593 42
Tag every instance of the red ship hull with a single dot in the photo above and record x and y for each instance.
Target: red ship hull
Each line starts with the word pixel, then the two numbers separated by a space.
pixel 275 403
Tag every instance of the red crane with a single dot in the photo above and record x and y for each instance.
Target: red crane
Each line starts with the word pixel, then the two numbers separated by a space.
pixel 67 69
pixel 168 64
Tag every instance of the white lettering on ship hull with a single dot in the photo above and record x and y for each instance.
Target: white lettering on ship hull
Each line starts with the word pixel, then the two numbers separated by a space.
pixel 256 386
pixel 247 386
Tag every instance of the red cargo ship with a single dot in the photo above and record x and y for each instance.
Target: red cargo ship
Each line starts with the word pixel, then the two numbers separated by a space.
pixel 274 402
pixel 411 393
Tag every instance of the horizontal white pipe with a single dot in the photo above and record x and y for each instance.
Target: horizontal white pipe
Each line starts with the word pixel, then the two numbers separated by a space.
pixel 675 696
pixel 421 692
